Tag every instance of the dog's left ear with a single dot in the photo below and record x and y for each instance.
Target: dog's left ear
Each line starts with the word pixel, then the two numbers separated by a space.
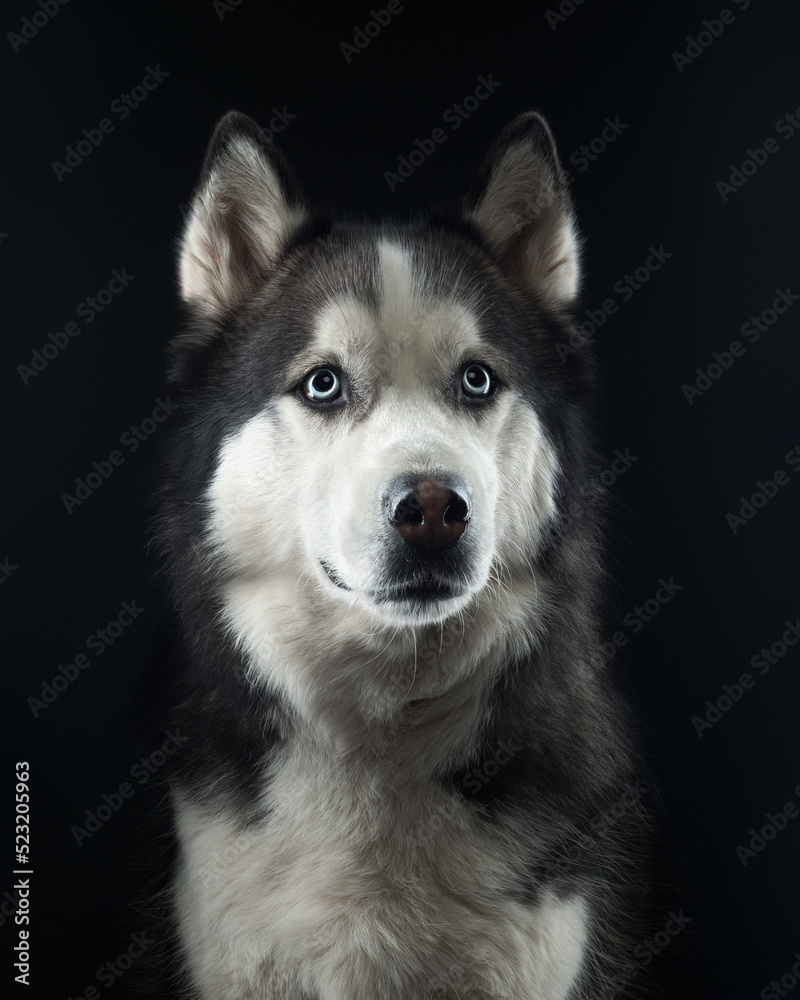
pixel 245 207
pixel 521 205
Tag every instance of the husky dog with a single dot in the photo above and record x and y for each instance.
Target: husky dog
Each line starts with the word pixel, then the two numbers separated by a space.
pixel 404 759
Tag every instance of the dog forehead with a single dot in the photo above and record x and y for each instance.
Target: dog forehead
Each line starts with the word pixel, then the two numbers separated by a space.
pixel 405 326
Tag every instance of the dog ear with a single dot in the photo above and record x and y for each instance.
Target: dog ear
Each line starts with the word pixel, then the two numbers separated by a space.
pixel 521 205
pixel 246 205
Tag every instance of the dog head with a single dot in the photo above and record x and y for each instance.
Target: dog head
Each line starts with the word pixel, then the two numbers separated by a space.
pixel 374 409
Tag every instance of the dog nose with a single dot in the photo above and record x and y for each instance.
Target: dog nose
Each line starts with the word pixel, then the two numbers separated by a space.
pixel 431 517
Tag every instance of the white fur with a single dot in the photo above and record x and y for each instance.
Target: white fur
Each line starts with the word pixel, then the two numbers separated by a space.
pixel 367 881
pixel 359 887
pixel 280 604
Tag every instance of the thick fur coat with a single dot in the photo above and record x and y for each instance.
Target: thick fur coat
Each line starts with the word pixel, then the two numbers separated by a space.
pixel 380 525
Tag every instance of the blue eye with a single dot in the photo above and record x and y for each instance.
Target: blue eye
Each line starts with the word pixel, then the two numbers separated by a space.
pixel 477 381
pixel 322 385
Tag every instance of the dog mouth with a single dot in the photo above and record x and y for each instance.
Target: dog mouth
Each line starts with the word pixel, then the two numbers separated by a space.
pixel 423 588
pixel 333 576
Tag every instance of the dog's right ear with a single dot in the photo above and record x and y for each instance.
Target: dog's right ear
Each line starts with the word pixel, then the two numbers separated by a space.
pixel 246 205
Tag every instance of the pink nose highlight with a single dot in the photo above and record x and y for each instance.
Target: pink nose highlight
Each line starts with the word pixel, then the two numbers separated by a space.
pixel 431 517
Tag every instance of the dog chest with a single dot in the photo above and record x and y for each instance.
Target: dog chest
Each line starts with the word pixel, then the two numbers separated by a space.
pixel 368 877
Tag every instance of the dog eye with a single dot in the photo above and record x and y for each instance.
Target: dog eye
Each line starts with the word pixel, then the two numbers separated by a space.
pixel 322 385
pixel 477 381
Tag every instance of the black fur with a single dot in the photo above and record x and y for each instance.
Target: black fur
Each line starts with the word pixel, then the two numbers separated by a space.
pixel 572 755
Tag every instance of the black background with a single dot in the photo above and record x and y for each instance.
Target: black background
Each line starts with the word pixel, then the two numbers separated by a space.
pixel 655 184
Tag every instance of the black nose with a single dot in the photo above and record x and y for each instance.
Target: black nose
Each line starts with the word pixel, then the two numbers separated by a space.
pixel 431 517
